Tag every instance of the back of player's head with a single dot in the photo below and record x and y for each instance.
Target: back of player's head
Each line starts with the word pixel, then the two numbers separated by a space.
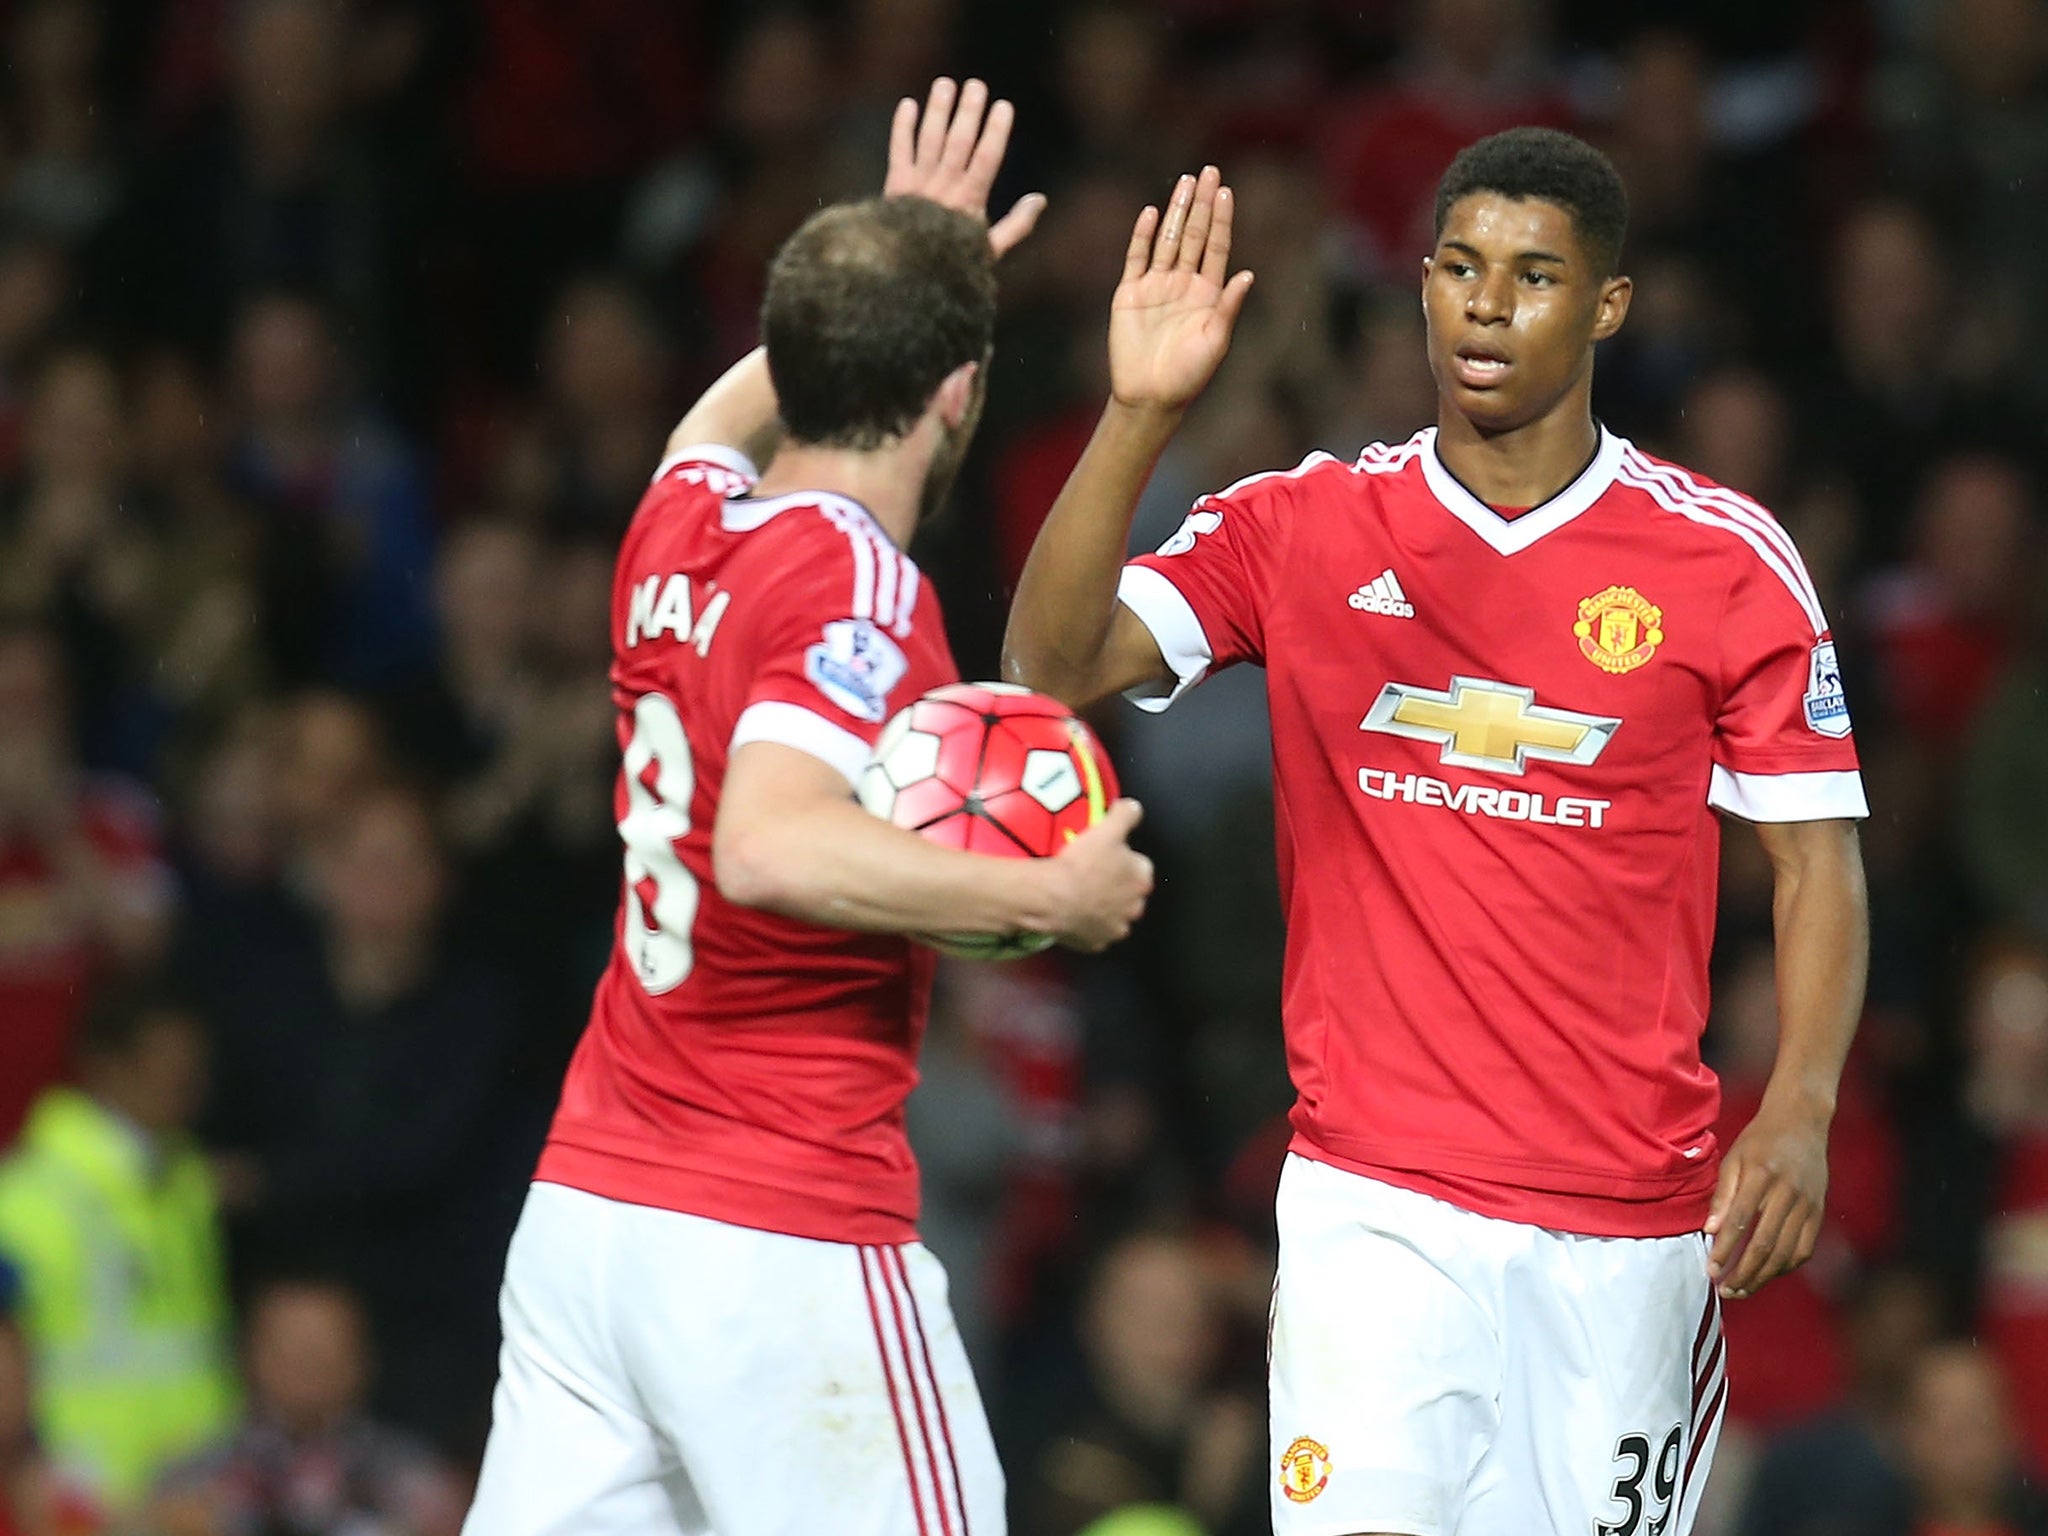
pixel 869 307
pixel 1550 167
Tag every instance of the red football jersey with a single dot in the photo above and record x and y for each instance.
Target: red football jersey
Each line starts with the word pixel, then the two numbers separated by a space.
pixel 740 1065
pixel 1499 745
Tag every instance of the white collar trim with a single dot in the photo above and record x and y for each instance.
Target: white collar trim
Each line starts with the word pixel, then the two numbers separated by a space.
pixel 1512 535
pixel 743 514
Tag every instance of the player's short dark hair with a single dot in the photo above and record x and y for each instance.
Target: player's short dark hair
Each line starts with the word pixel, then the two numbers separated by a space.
pixel 869 307
pixel 1551 167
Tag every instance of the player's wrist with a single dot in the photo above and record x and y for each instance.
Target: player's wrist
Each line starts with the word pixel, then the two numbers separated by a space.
pixel 1137 413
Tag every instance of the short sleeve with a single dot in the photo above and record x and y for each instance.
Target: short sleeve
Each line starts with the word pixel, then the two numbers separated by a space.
pixel 1202 594
pixel 722 470
pixel 1783 750
pixel 854 636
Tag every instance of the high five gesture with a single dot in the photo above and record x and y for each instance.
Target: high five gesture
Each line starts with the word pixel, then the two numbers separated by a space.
pixel 950 153
pixel 1171 319
pixel 1169 326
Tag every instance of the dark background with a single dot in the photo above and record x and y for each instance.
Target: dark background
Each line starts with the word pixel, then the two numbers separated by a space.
pixel 337 340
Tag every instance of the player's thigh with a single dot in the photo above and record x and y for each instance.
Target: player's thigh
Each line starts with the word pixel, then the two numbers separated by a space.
pixel 834 1393
pixel 570 1454
pixel 1385 1365
pixel 1616 1384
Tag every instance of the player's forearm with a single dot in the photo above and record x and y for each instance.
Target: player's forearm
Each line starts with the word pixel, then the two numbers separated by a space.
pixel 738 410
pixel 837 866
pixel 1823 954
pixel 1061 617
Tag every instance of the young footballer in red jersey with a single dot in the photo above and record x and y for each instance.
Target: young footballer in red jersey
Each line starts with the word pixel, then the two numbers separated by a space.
pixel 1519 670
pixel 718 1318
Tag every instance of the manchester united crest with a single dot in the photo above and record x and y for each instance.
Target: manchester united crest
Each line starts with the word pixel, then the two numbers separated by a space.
pixel 1304 1469
pixel 1619 629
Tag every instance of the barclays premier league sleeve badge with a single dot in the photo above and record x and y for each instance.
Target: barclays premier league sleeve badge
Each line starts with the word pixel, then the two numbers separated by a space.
pixel 857 667
pixel 1827 710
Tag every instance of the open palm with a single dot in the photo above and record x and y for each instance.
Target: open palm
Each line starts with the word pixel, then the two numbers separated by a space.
pixel 1171 319
pixel 950 152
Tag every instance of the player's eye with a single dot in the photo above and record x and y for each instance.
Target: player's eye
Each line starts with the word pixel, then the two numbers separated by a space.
pixel 1537 279
pixel 1458 268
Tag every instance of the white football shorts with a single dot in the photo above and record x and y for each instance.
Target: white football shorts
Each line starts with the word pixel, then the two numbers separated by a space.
pixel 1440 1373
pixel 668 1375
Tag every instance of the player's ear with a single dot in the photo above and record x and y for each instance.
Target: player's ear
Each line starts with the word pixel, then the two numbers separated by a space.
pixel 954 398
pixel 1614 296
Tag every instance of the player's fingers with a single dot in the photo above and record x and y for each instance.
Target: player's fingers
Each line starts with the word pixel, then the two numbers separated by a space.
pixel 1201 208
pixel 1232 302
pixel 965 127
pixel 902 138
pixel 1759 1260
pixel 1139 252
pixel 1142 868
pixel 938 117
pixel 1008 232
pixel 1122 817
pixel 1728 1222
pixel 1166 249
pixel 986 157
pixel 1724 1193
pixel 1216 250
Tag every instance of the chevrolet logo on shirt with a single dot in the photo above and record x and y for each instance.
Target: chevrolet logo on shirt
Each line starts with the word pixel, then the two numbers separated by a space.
pixel 1489 725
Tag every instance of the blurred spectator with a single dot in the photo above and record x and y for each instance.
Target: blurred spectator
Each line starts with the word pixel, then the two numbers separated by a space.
pixel 1111 79
pixel 109 1211
pixel 561 107
pixel 65 181
pixel 778 95
pixel 332 751
pixel 274 190
pixel 1968 115
pixel 35 277
pixel 1843 1473
pixel 2001 811
pixel 346 535
pixel 1896 386
pixel 578 465
pixel 1945 626
pixel 76 555
pixel 1734 218
pixel 308 1461
pixel 1469 68
pixel 515 732
pixel 202 620
pixel 1961 1457
pixel 2006 1020
pixel 1151 1425
pixel 81 881
pixel 361 1074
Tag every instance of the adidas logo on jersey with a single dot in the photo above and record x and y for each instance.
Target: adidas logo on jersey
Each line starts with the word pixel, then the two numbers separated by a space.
pixel 1383 595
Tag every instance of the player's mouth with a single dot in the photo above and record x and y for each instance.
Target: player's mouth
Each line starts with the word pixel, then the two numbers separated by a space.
pixel 1479 366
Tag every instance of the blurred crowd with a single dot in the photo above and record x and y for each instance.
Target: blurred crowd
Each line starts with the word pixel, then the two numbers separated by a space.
pixel 337 338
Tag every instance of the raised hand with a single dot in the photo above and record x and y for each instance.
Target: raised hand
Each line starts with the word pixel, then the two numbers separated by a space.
pixel 1171 319
pixel 950 153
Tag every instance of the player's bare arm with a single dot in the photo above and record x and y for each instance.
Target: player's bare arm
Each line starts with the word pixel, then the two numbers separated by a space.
pixel 1169 327
pixel 789 840
pixel 1768 1207
pixel 948 151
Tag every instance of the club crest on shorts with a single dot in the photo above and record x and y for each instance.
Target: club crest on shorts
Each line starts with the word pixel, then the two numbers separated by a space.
pixel 1304 1469
pixel 1619 629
